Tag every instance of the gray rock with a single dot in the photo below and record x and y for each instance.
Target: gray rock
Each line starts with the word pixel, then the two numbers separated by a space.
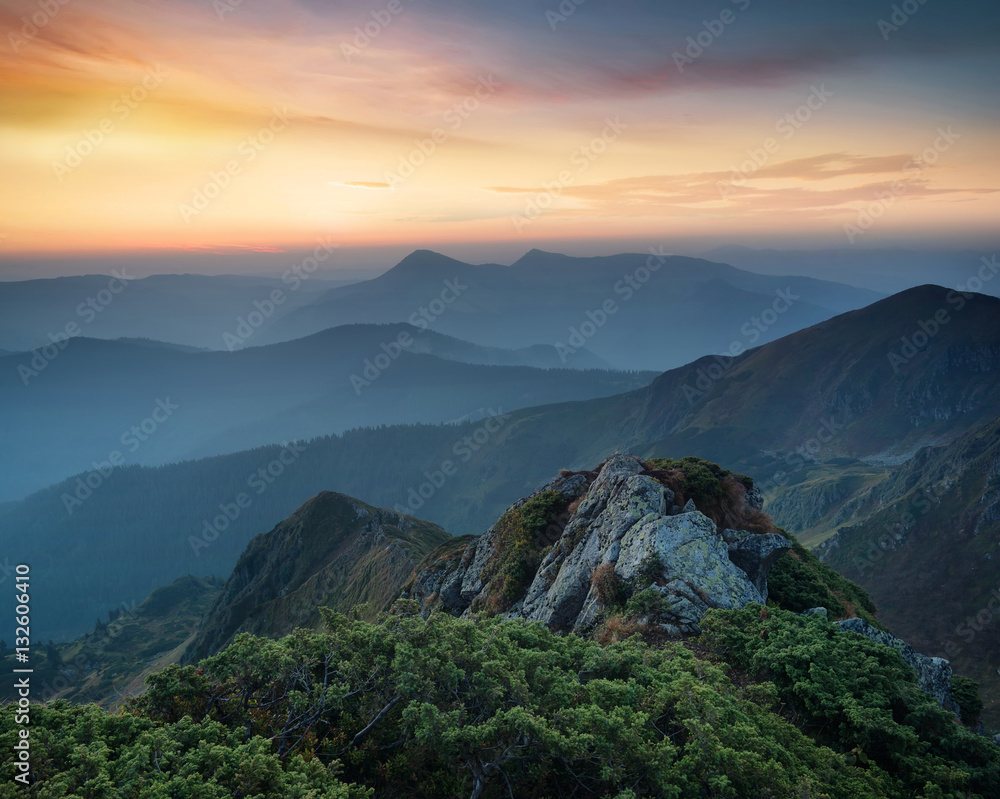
pixel 755 554
pixel 561 596
pixel 822 612
pixel 696 569
pixel 458 587
pixel 933 674
pixel 628 520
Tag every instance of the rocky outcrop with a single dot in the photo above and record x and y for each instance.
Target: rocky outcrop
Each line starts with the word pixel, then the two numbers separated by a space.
pixel 933 674
pixel 622 520
pixel 755 554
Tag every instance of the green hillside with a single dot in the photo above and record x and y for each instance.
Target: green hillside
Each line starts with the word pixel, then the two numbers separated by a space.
pixel 759 701
pixel 926 544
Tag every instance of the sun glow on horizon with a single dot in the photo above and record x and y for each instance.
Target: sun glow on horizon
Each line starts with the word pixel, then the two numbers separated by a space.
pixel 167 129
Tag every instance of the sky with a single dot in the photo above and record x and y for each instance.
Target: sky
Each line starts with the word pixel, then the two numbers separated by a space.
pixel 263 126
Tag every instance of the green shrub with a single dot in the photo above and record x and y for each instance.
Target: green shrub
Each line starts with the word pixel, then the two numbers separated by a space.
pixel 799 581
pixel 646 601
pixel 716 492
pixel 447 707
pixel 965 692
pixel 702 479
pixel 81 751
pixel 859 697
pixel 793 586
pixel 422 708
pixel 650 571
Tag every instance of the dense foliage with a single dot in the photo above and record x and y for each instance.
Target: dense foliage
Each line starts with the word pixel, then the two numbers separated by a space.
pixel 701 479
pixel 857 696
pixel 965 692
pixel 799 581
pixel 718 493
pixel 81 752
pixel 441 707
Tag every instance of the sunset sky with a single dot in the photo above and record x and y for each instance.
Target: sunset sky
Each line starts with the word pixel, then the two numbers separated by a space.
pixel 267 124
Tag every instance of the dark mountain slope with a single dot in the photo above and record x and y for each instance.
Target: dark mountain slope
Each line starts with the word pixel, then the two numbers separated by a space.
pixel 333 552
pixel 839 375
pixel 927 547
pixel 108 664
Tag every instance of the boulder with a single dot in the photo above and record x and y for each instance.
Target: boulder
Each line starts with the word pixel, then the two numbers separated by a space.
pixel 695 570
pixel 755 554
pixel 560 596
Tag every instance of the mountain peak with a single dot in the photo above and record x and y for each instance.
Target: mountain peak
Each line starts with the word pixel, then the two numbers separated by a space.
pixel 536 257
pixel 927 299
pixel 426 260
pixel 334 551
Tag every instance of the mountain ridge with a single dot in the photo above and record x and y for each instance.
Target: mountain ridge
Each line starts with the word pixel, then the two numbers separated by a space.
pixel 89 391
pixel 333 551
pixel 532 301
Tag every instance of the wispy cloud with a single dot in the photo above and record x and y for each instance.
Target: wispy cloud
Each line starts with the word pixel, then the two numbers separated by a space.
pixel 681 194
pixel 362 184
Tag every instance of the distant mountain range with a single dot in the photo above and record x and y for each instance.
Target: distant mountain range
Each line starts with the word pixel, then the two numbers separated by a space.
pixel 886 270
pixel 196 310
pixel 687 306
pixel 95 357
pixel 600 304
pixel 152 402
